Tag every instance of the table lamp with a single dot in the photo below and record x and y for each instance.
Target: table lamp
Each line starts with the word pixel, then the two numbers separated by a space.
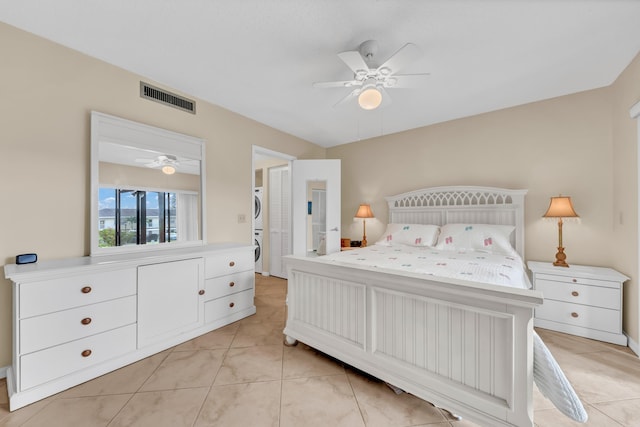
pixel 560 207
pixel 364 211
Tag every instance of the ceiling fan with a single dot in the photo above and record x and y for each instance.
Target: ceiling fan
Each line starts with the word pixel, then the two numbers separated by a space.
pixel 167 162
pixel 369 82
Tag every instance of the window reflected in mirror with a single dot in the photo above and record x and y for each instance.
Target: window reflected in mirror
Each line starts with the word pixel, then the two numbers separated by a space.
pixel 138 217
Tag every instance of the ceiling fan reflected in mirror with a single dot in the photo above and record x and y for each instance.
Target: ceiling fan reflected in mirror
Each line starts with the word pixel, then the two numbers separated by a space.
pixel 166 162
pixel 370 82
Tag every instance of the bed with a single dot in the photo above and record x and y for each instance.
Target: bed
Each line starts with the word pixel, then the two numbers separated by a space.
pixel 464 345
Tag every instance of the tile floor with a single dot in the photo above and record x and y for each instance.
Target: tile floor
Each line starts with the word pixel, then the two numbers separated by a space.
pixel 242 375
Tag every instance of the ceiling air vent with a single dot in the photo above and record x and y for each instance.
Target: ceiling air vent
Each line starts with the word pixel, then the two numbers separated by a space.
pixel 167 98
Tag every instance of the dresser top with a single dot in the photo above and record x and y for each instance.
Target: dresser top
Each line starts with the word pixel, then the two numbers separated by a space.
pixel 601 273
pixel 47 268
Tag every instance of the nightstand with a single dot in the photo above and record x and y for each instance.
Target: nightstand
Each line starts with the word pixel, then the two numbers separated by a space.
pixel 580 300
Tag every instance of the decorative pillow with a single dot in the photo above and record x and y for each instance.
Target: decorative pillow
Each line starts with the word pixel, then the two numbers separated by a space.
pixel 410 234
pixel 476 237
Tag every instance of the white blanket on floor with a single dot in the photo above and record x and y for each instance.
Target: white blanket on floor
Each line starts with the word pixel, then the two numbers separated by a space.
pixel 553 384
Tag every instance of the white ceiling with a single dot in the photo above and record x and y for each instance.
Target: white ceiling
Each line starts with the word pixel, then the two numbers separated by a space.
pixel 259 58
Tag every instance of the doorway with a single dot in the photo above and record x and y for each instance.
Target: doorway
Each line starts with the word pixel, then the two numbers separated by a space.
pixel 271 228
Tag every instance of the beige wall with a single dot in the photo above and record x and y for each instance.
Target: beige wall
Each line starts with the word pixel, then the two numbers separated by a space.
pixel 47 95
pixel 563 146
pixel 624 251
pixel 558 146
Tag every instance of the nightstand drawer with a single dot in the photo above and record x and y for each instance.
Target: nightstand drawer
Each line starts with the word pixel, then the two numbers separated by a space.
pixel 602 319
pixel 581 280
pixel 580 294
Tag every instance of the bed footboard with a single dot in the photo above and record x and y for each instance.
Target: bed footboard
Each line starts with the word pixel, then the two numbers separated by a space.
pixel 465 347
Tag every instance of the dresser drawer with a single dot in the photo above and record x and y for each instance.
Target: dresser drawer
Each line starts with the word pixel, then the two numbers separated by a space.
pixel 602 319
pixel 226 306
pixel 56 328
pixel 46 365
pixel 227 285
pixel 228 263
pixel 47 296
pixel 580 294
pixel 577 280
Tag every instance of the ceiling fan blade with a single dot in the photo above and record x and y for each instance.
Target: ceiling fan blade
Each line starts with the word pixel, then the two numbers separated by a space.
pixel 351 95
pixel 354 60
pixel 407 80
pixel 344 83
pixel 386 99
pixel 403 57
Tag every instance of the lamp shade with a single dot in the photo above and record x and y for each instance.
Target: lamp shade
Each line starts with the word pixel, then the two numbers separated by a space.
pixel 560 207
pixel 364 211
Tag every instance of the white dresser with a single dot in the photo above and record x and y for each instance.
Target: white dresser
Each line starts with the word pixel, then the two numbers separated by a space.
pixel 580 300
pixel 76 319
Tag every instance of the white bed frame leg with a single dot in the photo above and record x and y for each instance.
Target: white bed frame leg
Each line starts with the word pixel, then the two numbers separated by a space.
pixel 290 342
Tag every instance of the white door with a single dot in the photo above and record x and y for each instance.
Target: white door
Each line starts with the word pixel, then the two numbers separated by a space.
pixel 303 174
pixel 279 219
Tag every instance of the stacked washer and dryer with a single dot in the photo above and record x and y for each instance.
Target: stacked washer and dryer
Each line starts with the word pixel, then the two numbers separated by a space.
pixel 257 211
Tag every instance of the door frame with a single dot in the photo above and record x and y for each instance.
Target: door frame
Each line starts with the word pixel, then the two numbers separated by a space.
pixel 257 152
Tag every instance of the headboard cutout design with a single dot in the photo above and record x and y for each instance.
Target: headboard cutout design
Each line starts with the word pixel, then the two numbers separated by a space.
pixel 462 204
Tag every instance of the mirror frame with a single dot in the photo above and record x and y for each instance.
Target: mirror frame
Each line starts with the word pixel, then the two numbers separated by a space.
pixel 107 128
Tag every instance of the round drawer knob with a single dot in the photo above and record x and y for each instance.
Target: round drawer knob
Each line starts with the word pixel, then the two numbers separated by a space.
pixel 86 289
pixel 575 293
pixel 86 353
pixel 231 304
pixel 232 263
pixel 574 314
pixel 232 284
pixel 574 280
pixel 86 320
pixel 201 292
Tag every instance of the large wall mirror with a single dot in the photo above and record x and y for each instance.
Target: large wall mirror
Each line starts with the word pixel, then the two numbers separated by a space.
pixel 147 187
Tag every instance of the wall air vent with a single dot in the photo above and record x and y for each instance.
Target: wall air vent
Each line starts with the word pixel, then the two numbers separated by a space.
pixel 167 98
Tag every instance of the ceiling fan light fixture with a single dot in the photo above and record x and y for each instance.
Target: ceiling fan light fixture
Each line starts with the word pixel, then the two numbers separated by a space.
pixel 168 169
pixel 370 98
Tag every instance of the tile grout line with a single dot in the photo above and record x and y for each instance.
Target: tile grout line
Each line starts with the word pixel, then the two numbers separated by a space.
pixel 281 385
pixel 139 388
pixel 213 381
pixel 355 397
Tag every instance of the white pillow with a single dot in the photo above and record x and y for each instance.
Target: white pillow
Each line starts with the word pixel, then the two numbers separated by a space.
pixel 410 234
pixel 476 237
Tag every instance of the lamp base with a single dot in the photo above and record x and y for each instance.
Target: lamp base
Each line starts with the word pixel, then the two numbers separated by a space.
pixel 364 234
pixel 560 258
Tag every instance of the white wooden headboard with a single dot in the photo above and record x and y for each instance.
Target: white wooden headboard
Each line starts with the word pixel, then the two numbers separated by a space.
pixel 462 204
